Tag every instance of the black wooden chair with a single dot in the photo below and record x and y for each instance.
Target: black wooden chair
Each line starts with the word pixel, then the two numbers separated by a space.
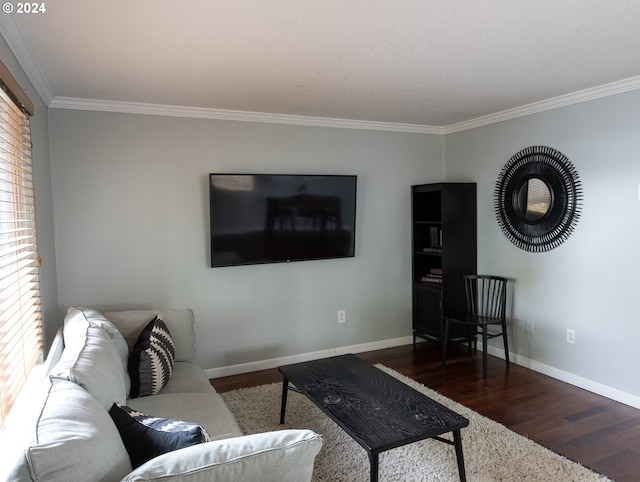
pixel 486 307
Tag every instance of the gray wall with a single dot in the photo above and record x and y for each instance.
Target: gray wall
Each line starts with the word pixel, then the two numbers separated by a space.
pixel 42 184
pixel 131 223
pixel 590 283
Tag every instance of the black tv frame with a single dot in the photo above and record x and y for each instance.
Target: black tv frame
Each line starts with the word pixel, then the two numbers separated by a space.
pixel 281 218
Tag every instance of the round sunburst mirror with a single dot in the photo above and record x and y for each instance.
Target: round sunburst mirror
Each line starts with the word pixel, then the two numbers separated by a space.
pixel 538 198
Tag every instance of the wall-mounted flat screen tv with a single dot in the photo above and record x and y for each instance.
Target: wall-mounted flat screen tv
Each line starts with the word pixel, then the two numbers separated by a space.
pixel 274 218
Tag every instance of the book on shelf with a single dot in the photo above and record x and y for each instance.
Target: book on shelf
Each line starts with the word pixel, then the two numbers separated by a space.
pixel 435 236
pixel 431 279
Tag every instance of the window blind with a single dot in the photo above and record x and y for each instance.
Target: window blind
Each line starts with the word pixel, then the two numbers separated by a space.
pixel 20 313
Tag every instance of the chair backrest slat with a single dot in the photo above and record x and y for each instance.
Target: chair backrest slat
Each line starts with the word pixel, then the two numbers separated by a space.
pixel 486 295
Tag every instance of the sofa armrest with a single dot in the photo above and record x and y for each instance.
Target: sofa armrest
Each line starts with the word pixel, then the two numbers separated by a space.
pixel 278 456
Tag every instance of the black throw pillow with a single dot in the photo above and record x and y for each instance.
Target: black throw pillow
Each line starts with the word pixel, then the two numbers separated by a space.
pixel 151 360
pixel 146 437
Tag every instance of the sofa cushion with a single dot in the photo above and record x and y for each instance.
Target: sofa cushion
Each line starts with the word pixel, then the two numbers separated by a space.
pixel 279 456
pixel 151 360
pixel 206 409
pixel 187 377
pixel 146 437
pixel 91 360
pixel 98 319
pixel 180 323
pixel 74 438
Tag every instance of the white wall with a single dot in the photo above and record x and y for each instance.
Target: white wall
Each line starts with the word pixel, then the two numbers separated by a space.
pixel 590 283
pixel 130 195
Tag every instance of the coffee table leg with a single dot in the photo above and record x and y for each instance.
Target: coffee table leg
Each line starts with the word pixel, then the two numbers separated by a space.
pixel 283 405
pixel 373 459
pixel 457 440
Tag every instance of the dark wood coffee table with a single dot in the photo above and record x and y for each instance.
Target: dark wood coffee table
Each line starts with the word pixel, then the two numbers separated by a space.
pixel 377 410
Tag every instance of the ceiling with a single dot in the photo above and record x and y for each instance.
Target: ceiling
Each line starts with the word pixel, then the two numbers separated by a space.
pixel 421 62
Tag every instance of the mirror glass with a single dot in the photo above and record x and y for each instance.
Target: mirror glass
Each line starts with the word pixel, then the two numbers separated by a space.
pixel 534 199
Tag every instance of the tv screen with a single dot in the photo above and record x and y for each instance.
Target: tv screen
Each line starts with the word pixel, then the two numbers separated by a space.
pixel 273 218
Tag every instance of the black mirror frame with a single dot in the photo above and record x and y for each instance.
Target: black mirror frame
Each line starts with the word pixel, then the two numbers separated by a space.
pixel 560 176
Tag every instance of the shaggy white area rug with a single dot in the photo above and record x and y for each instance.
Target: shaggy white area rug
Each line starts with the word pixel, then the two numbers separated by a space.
pixel 492 452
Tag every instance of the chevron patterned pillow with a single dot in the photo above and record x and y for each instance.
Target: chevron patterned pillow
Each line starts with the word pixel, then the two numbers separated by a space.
pixel 151 360
pixel 145 436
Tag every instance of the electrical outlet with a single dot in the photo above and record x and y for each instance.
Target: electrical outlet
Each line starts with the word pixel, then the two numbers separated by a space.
pixel 342 316
pixel 571 336
pixel 529 326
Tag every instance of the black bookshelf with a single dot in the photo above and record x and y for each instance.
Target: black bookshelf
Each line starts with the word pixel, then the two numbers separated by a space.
pixel 444 248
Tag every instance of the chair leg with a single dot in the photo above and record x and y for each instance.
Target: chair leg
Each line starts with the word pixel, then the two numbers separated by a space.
pixel 484 351
pixel 445 342
pixel 506 343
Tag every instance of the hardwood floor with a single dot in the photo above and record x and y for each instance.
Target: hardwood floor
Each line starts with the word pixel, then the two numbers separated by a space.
pixel 597 432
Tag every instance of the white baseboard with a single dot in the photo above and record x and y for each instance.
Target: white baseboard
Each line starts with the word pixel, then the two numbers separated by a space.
pixel 570 378
pixel 276 362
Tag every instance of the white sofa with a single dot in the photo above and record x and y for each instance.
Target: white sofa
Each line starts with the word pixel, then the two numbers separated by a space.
pixel 74 438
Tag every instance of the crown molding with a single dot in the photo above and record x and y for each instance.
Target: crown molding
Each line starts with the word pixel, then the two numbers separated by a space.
pixel 235 115
pixel 585 95
pixel 578 97
pixel 12 34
